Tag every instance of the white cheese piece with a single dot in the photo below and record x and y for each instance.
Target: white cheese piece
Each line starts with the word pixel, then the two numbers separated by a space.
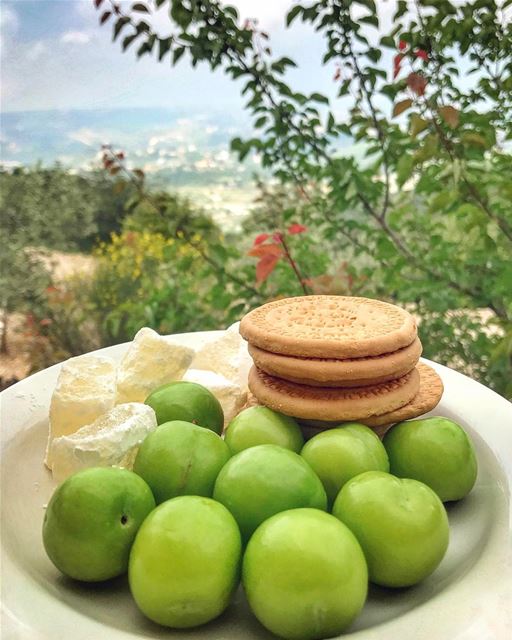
pixel 227 356
pixel 230 395
pixel 150 361
pixel 112 439
pixel 86 388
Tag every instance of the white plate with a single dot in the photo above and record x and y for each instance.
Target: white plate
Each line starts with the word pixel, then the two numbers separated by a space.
pixel 469 597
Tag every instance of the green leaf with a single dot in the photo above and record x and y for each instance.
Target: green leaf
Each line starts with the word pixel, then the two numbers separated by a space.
pixel 159 3
pixel 231 11
pixel 176 54
pixel 128 40
pixel 138 6
pixel 369 4
pixel 120 24
pixel 373 20
pixel 374 54
pixel 345 88
pixel 404 168
pixel 388 41
pixel 351 191
pixel 418 124
pixel 401 9
pixel 401 106
pixel 293 13
pixel 163 47
pixel 318 97
pixel 260 122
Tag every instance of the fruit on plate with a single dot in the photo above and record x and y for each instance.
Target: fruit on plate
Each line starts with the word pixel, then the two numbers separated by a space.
pixel 150 361
pixel 231 395
pixel 112 439
pixel 187 401
pixel 436 451
pixel 185 562
pixel 260 425
pixel 304 575
pixel 339 454
pixel 91 521
pixel 180 458
pixel 85 389
pixel 264 480
pixel 401 526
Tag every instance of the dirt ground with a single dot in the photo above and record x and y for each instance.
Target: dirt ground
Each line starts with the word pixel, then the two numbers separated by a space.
pixel 15 365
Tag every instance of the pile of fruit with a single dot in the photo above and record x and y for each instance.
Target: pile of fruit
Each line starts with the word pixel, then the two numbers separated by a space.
pixel 304 526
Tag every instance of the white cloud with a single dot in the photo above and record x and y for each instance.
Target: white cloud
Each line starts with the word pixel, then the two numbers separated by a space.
pixel 269 14
pixel 88 137
pixel 35 51
pixel 9 20
pixel 75 37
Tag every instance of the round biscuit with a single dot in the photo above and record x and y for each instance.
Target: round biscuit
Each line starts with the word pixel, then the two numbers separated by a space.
pixel 329 326
pixel 332 403
pixel 428 397
pixel 331 372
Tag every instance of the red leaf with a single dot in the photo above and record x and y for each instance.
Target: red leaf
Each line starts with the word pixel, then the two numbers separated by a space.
pixel 278 237
pixel 296 228
pixel 97 3
pixel 265 250
pixel 105 16
pixel 402 45
pixel 417 83
pixel 261 238
pixel 265 267
pixel 421 53
pixel 337 74
pixel 397 61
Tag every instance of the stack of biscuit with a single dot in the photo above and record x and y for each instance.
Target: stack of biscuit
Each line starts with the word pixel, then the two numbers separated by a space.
pixel 331 359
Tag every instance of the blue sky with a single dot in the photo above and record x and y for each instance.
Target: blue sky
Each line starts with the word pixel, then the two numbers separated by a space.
pixel 55 56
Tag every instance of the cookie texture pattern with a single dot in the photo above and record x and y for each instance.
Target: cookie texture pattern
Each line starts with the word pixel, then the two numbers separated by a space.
pixel 332 372
pixel 427 399
pixel 329 327
pixel 331 403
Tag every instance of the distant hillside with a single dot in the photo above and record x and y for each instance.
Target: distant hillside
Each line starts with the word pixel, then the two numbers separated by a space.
pixel 178 149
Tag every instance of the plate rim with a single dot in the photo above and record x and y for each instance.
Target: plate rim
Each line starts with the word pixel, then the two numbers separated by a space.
pixel 476 399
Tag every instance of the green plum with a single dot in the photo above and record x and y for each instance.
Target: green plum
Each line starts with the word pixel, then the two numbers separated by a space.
pixel 339 454
pixel 185 562
pixel 263 480
pixel 304 575
pixel 401 526
pixel 180 458
pixel 260 425
pixel 187 401
pixel 436 451
pixel 91 521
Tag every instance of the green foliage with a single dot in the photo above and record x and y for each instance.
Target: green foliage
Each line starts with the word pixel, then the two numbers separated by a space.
pixel 426 217
pixel 57 209
pixel 23 280
pixel 62 323
pixel 145 278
